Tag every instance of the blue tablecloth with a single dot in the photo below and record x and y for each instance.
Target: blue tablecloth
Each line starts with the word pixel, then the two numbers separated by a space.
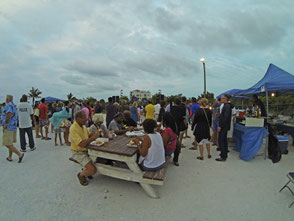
pixel 248 140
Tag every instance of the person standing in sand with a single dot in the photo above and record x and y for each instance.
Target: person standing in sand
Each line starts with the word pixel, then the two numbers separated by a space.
pixel 9 123
pixel 80 137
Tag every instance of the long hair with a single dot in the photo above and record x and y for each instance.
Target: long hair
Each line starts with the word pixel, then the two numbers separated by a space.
pixel 169 121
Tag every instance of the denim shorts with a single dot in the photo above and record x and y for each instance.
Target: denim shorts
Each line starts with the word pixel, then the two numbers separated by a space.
pixel 215 125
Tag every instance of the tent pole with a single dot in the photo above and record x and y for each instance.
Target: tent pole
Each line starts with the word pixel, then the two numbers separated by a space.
pixel 266 145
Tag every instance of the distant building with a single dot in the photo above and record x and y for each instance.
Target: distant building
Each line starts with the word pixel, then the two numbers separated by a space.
pixel 139 95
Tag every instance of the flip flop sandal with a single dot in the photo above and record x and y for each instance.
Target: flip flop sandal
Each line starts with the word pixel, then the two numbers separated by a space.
pixel 48 138
pixel 193 148
pixel 8 159
pixel 199 158
pixel 83 180
pixel 20 159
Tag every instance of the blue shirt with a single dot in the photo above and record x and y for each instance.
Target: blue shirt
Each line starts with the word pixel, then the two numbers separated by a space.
pixel 194 108
pixel 12 123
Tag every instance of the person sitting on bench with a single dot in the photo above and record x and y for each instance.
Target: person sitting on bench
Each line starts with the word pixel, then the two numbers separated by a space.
pixel 117 125
pixel 81 137
pixel 152 150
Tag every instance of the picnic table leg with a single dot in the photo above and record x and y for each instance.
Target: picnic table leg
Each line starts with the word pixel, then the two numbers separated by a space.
pixel 147 187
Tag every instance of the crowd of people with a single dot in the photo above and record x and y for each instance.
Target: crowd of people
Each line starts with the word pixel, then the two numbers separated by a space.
pixel 165 126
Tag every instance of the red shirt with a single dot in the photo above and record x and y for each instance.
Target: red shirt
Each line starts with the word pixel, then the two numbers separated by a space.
pixel 43 111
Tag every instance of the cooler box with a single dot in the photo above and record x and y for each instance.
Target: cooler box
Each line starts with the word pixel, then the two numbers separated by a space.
pixel 283 144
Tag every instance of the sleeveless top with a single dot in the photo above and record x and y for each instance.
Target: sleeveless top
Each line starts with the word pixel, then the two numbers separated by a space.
pixel 155 156
pixel 172 140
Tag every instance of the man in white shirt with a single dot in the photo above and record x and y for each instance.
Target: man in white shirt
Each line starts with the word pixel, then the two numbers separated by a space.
pixel 25 117
pixel 156 110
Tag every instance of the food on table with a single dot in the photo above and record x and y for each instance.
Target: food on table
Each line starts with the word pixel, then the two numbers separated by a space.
pixel 98 143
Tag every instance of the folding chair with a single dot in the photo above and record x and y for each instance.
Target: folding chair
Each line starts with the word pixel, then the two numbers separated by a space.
pixel 291 179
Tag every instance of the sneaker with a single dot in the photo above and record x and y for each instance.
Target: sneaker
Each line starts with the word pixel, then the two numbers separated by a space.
pixel 32 149
pixel 21 150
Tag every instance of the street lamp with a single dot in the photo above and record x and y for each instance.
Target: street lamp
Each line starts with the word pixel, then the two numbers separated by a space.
pixel 203 62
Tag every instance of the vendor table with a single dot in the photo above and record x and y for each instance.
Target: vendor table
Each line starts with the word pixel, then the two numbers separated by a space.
pixel 119 151
pixel 248 140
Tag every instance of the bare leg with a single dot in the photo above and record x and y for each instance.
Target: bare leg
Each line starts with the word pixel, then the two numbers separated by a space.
pixel 52 128
pixel 46 131
pixel 37 130
pixel 201 150
pixel 89 170
pixel 41 131
pixel 10 154
pixel 66 133
pixel 208 148
pixel 12 149
pixel 181 138
pixel 60 140
pixel 55 138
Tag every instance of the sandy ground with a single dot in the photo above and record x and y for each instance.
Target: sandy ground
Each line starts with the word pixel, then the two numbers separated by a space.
pixel 45 187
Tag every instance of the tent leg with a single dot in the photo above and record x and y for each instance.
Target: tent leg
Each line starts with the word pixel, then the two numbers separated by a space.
pixel 266 145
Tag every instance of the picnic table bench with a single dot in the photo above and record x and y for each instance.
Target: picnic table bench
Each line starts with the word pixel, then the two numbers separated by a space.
pixel 119 151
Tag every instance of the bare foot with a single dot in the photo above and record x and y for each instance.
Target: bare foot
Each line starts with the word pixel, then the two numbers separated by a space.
pixel 67 143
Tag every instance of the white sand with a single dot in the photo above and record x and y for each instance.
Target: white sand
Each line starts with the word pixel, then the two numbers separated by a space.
pixel 45 187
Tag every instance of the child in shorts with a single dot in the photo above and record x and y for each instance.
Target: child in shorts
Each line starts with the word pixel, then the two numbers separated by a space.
pixel 58 131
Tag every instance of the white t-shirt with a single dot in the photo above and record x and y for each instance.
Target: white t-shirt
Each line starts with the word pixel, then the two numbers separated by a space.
pixel 156 108
pixel 25 111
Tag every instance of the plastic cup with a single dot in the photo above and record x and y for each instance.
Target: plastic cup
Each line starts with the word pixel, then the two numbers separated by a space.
pixel 106 142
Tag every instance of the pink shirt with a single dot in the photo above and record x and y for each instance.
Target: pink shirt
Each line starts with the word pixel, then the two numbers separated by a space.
pixel 172 140
pixel 86 110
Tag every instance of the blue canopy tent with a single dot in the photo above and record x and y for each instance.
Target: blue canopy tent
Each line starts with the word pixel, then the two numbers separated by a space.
pixel 230 92
pixel 275 79
pixel 52 99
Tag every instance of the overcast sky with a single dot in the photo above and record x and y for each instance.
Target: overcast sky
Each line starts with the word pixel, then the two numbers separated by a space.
pixel 98 47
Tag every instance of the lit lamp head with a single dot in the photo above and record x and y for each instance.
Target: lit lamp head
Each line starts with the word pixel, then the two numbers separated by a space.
pixel 273 94
pixel 202 60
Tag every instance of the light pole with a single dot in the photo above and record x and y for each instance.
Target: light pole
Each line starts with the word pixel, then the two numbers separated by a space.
pixel 203 62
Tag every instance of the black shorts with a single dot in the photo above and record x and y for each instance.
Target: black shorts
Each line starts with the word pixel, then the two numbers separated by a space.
pixel 37 119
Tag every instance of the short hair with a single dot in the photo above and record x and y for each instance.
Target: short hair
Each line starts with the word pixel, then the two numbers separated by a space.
pixel 9 97
pixel 79 114
pixel 110 100
pixel 98 118
pixel 194 100
pixel 43 100
pixel 119 114
pixel 219 99
pixel 184 99
pixel 127 113
pixel 24 98
pixel 66 103
pixel 149 125
pixel 226 96
pixel 177 101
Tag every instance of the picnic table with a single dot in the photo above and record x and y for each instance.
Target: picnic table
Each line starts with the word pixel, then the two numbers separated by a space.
pixel 119 151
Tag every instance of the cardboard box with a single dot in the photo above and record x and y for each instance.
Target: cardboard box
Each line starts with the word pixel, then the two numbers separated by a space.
pixel 254 122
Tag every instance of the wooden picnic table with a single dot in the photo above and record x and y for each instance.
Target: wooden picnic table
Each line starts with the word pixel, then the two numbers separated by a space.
pixel 119 151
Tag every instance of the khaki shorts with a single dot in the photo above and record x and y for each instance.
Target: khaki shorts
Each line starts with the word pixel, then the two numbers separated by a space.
pixel 9 137
pixel 81 156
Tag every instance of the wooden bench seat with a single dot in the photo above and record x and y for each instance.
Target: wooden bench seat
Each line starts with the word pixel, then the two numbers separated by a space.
pixel 159 174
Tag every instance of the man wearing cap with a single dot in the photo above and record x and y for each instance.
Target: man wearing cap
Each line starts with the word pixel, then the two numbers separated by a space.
pixel 117 125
